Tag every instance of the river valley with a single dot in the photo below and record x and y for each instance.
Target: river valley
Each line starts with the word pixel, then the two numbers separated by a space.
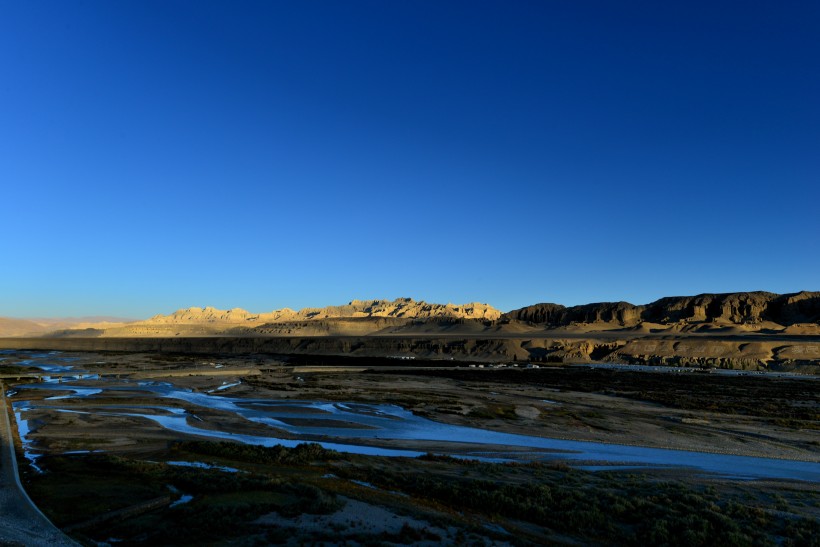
pixel 87 406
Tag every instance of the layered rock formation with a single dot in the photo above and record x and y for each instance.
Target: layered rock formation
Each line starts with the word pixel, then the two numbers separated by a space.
pixel 745 308
pixel 556 315
pixel 358 317
pixel 406 308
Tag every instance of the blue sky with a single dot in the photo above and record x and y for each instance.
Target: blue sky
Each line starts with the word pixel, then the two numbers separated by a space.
pixel 165 154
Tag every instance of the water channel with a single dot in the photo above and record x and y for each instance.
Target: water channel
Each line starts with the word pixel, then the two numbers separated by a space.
pixel 355 427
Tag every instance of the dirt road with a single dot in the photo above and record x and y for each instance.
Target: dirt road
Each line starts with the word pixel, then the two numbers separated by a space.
pixel 21 523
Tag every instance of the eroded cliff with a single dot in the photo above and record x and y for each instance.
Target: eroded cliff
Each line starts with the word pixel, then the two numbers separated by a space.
pixel 743 308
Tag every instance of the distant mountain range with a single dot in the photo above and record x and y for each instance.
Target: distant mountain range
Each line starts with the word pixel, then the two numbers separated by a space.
pixel 744 311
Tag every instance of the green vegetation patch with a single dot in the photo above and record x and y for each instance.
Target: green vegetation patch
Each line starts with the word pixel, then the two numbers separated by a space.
pixel 616 508
pixel 77 488
pixel 102 496
pixel 492 411
pixel 301 454
pixel 524 504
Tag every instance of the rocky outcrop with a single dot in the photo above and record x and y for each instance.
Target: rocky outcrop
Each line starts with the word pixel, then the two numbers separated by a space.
pixel 802 307
pixel 358 317
pixel 547 314
pixel 204 315
pixel 404 308
pixel 731 308
pixel 737 308
pixel 556 315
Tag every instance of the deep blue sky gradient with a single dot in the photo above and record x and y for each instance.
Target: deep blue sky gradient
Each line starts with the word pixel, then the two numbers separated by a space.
pixel 163 154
